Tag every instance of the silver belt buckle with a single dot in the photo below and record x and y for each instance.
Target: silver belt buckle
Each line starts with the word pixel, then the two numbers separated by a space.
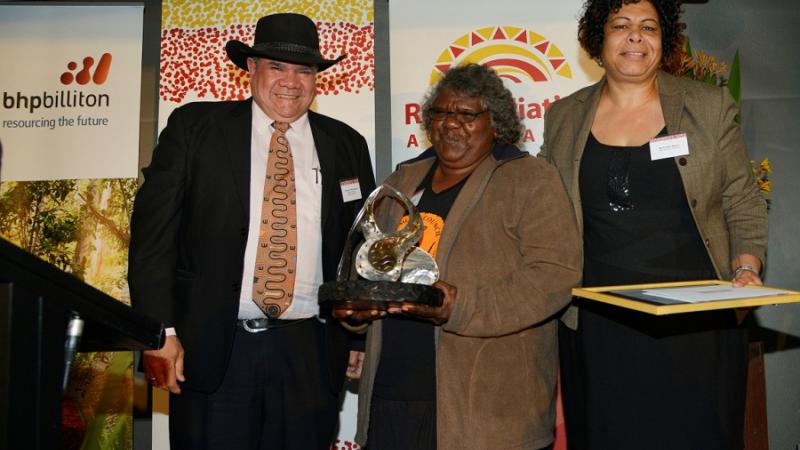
pixel 252 330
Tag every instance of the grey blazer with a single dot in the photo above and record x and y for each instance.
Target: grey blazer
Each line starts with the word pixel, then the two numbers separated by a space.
pixel 727 206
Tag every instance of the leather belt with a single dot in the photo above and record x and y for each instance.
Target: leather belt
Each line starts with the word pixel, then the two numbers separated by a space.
pixel 264 324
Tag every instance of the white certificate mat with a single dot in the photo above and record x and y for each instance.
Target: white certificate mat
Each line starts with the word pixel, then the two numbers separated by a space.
pixel 680 297
pixel 713 293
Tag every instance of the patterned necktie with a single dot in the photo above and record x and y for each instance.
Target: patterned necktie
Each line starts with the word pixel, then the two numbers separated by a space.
pixel 276 257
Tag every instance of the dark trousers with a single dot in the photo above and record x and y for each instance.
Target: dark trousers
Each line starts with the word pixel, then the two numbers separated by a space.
pixel 275 395
pixel 402 425
pixel 631 381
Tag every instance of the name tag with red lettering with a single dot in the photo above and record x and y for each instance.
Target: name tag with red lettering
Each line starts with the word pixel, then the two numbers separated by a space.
pixel 669 146
pixel 351 190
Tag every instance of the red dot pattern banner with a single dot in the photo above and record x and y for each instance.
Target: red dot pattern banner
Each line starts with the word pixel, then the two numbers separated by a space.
pixel 194 60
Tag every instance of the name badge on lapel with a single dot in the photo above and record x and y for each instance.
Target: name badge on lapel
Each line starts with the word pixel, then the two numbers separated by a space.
pixel 669 146
pixel 351 190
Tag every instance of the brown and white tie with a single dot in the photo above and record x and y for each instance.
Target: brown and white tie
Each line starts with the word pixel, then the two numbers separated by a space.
pixel 276 257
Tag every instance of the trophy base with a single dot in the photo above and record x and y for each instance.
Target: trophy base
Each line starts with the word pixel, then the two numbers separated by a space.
pixel 365 294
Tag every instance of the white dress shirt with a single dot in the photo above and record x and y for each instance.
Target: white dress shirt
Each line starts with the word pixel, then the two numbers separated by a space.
pixel 308 183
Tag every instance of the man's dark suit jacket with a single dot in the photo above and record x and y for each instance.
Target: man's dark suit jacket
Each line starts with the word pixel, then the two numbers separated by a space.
pixel 190 226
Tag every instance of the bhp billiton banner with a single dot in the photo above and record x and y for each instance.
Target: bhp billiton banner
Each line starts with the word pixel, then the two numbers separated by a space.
pixel 69 91
pixel 532 45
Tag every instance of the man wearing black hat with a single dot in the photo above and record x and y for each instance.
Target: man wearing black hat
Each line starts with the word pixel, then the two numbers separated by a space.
pixel 242 215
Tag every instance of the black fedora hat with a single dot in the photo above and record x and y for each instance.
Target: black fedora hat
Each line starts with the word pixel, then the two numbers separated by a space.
pixel 283 37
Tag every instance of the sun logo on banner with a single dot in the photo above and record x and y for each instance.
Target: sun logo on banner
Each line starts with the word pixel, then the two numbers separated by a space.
pixel 515 53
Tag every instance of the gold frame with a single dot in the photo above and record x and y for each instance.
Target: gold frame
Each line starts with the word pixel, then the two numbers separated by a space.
pixel 602 294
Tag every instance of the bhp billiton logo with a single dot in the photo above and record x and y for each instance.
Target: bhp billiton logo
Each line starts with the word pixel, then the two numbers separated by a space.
pixel 67 98
pixel 84 76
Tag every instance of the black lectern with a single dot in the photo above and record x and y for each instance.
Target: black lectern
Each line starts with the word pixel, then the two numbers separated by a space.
pixel 36 301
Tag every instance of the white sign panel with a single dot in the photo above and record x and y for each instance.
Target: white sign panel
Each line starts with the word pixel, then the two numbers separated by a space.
pixel 70 91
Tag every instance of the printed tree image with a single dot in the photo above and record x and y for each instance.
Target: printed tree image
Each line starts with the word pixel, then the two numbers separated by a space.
pixel 32 216
pixel 82 227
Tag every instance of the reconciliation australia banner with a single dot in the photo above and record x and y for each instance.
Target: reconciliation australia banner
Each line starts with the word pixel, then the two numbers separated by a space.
pixel 532 45
pixel 194 66
pixel 69 127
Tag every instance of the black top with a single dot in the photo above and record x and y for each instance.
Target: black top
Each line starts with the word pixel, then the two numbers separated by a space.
pixel 407 368
pixel 630 380
pixel 638 227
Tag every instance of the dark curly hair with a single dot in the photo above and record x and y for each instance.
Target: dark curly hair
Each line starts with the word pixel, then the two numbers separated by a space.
pixel 595 14
pixel 474 80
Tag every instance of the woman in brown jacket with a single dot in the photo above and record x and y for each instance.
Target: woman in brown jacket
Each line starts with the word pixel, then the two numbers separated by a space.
pixel 480 371
pixel 650 212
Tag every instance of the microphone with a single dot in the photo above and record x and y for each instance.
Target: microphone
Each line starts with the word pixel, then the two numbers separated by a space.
pixel 73 338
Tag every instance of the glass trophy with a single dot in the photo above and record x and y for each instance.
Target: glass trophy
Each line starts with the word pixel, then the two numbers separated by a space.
pixel 381 268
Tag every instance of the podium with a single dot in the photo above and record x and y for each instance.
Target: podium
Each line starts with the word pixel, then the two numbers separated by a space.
pixel 36 302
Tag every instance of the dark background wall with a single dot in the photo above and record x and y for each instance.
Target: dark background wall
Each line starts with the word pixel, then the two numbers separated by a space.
pixel 765 33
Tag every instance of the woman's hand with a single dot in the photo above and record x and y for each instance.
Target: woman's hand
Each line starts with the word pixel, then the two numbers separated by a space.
pixel 744 278
pixel 746 270
pixel 436 314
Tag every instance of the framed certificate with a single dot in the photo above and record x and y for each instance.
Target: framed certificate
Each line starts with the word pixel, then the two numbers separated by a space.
pixel 680 297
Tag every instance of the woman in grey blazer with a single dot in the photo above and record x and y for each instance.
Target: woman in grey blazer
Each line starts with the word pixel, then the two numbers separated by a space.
pixel 662 190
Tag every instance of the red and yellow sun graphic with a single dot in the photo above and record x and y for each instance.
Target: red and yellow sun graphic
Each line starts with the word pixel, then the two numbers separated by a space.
pixel 515 53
